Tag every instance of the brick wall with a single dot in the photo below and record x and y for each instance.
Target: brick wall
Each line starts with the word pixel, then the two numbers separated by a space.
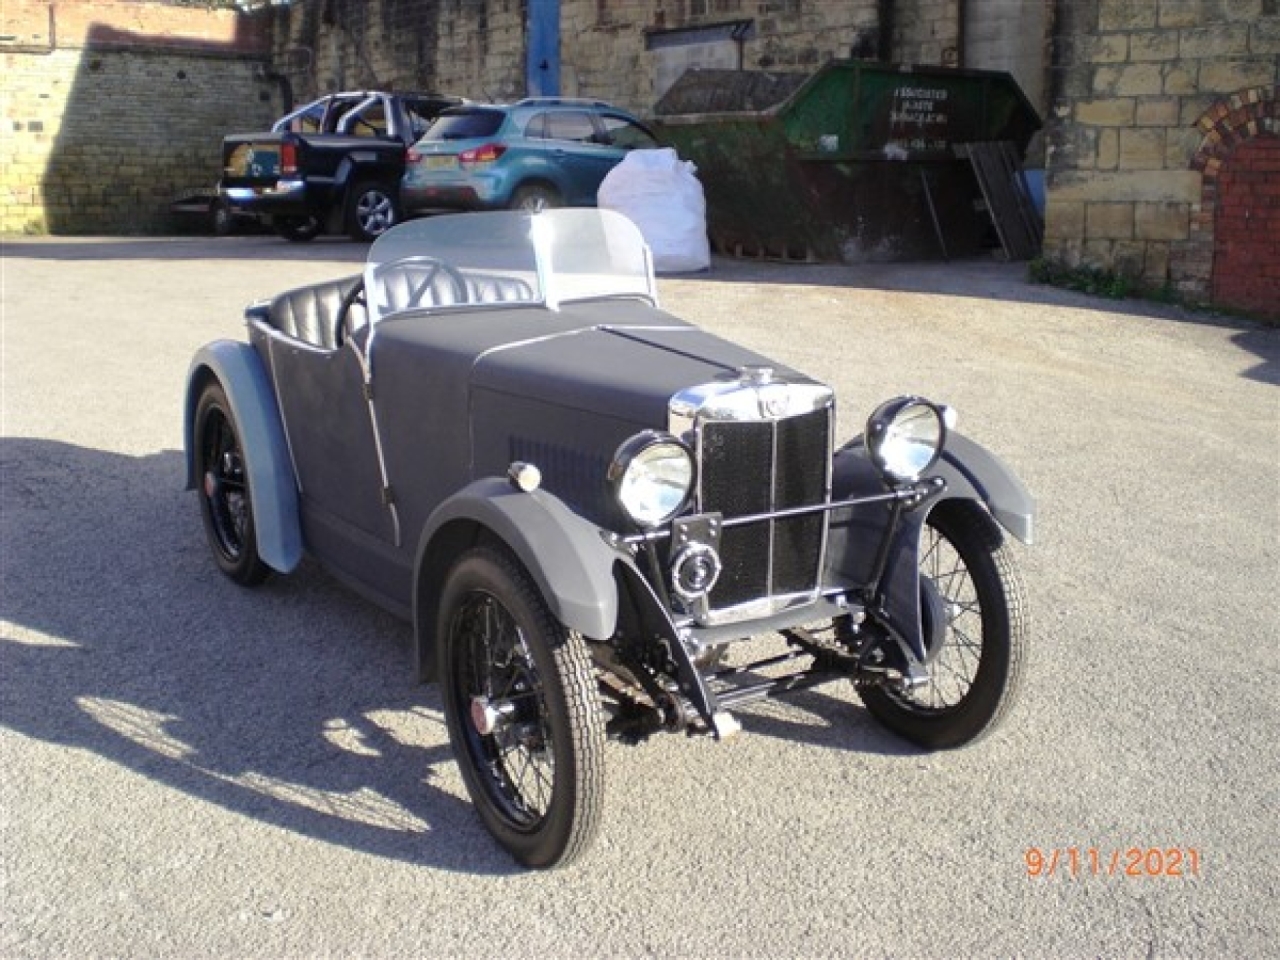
pixel 1147 93
pixel 1246 268
pixel 109 109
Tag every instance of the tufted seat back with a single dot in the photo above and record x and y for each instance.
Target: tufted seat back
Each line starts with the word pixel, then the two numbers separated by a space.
pixel 310 313
pixel 491 288
pixel 418 285
pixel 425 286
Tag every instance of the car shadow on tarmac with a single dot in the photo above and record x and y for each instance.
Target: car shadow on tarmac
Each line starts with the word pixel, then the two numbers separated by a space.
pixel 291 704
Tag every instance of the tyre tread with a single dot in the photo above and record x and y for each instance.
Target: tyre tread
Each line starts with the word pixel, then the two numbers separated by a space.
pixel 575 675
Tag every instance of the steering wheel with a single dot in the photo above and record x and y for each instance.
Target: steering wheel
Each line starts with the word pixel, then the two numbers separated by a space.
pixel 421 276
pixel 353 297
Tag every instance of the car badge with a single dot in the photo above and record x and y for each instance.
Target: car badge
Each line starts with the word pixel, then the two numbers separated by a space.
pixel 773 402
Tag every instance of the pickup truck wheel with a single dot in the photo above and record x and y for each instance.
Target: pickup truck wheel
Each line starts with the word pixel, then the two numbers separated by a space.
pixel 298 229
pixel 523 711
pixel 372 210
pixel 225 504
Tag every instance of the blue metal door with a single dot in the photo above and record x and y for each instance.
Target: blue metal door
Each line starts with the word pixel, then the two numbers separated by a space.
pixel 542 64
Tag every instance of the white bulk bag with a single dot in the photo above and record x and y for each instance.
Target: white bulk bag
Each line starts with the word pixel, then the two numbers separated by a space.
pixel 661 195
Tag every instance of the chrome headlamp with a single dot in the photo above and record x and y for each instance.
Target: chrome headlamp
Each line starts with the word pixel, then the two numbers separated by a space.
pixel 651 477
pixel 905 436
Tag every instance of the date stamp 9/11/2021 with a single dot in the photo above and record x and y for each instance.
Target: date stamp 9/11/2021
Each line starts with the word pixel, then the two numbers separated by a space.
pixel 1079 863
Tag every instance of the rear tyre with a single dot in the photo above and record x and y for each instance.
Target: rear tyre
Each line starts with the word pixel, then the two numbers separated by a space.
pixel 372 210
pixel 225 503
pixel 298 229
pixel 534 198
pixel 523 711
pixel 976 671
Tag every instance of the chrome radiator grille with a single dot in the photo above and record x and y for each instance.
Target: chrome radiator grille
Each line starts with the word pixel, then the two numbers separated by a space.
pixel 758 466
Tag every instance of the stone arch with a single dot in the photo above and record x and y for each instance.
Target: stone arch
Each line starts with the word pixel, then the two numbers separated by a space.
pixel 1233 249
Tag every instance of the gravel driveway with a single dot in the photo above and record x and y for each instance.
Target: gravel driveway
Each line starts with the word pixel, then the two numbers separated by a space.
pixel 192 770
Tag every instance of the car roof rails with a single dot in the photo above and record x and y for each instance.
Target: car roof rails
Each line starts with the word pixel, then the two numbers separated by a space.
pixel 566 101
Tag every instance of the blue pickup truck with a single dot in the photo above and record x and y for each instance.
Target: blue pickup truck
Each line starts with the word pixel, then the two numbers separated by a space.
pixel 331 166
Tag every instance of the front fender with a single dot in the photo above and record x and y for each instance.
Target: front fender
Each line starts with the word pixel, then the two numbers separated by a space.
pixel 273 491
pixel 569 561
pixel 971 473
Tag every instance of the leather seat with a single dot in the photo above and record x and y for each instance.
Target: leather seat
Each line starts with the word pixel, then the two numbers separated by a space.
pixel 490 288
pixel 310 314
pixel 417 286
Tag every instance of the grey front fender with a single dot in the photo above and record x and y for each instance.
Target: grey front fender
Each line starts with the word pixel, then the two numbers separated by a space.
pixel 973 472
pixel 569 561
pixel 273 490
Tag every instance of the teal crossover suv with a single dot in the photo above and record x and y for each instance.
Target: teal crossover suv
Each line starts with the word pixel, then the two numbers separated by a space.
pixel 540 152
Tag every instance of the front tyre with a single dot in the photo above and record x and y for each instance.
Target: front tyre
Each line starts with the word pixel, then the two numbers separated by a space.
pixel 976 666
pixel 223 477
pixel 523 711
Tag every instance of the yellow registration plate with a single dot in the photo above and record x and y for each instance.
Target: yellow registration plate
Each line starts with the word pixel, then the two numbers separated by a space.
pixel 443 162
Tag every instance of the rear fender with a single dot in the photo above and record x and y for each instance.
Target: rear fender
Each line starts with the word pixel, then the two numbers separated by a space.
pixel 568 559
pixel 273 489
pixel 359 166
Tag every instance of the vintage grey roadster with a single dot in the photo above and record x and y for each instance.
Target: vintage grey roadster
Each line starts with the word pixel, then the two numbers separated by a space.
pixel 582 503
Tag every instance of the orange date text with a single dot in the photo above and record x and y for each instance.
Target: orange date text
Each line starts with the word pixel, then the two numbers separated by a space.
pixel 1078 863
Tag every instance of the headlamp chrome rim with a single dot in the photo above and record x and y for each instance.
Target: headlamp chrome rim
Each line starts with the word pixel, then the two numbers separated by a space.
pixel 905 437
pixel 637 482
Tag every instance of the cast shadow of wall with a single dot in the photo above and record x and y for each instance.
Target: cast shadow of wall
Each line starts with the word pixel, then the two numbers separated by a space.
pixel 143 124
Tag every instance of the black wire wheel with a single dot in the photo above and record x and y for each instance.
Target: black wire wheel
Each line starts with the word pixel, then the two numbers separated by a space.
pixel 223 481
pixel 975 662
pixel 523 711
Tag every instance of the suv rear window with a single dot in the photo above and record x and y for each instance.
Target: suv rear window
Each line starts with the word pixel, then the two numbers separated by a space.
pixel 465 124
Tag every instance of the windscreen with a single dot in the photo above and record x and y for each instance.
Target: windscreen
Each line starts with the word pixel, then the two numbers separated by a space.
pixel 477 260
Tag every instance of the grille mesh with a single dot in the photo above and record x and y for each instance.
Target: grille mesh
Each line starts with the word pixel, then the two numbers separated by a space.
pixel 754 467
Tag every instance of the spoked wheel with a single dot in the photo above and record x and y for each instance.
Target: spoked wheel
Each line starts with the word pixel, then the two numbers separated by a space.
pixel 225 504
pixel 975 664
pixel 523 711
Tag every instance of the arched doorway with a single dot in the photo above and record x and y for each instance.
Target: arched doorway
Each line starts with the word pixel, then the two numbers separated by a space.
pixel 1233 254
pixel 1246 230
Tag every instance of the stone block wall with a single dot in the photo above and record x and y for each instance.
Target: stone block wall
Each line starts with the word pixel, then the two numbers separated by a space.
pixel 927 32
pixel 110 109
pixel 476 48
pixel 1143 91
pixel 472 48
